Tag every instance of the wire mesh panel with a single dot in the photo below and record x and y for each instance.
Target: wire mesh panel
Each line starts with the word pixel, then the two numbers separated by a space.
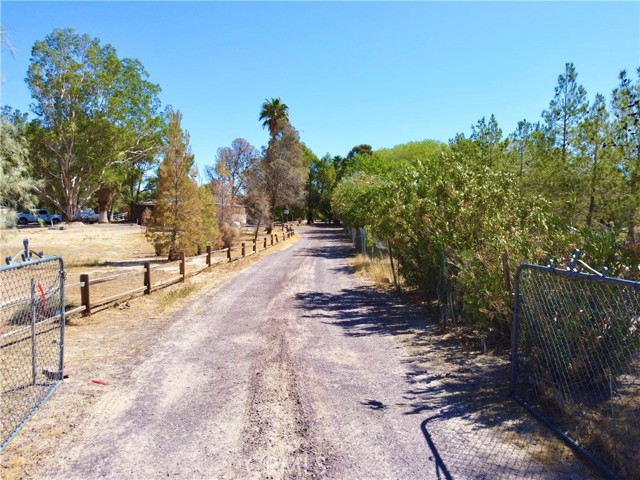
pixel 31 339
pixel 576 361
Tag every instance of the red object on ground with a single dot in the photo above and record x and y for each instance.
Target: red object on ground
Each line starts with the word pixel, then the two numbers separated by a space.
pixel 100 382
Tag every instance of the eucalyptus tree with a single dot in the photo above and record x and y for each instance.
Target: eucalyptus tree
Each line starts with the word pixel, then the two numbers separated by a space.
pixel 96 116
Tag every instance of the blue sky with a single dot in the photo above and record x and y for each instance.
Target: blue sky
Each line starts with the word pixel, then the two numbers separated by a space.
pixel 382 73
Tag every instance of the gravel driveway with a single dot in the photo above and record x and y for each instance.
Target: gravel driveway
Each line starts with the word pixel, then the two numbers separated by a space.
pixel 295 368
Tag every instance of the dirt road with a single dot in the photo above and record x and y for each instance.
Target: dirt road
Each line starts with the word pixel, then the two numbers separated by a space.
pixel 294 368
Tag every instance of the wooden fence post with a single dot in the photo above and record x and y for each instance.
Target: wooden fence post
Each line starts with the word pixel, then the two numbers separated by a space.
pixel 276 238
pixel 254 246
pixel 147 278
pixel 243 249
pixel 183 268
pixel 208 255
pixel 229 253
pixel 84 293
pixel 265 243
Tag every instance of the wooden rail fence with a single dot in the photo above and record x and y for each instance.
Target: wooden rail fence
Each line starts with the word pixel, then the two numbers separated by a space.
pixel 87 282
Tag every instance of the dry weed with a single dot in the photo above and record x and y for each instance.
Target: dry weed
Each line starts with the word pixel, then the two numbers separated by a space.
pixel 377 270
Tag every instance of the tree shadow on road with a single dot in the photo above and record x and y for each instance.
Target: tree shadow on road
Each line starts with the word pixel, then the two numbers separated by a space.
pixel 474 429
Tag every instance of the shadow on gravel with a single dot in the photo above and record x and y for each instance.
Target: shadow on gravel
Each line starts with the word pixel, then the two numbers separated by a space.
pixel 441 468
pixel 473 428
pixel 360 311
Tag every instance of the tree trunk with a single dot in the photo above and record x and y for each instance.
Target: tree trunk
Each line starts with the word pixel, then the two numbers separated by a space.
pixel 393 270
pixel 592 207
pixel 255 235
pixel 105 196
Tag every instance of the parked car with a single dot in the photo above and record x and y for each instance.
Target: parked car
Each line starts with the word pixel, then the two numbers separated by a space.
pixel 37 216
pixel 88 215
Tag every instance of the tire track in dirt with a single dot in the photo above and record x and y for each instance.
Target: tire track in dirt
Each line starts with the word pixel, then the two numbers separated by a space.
pixel 280 441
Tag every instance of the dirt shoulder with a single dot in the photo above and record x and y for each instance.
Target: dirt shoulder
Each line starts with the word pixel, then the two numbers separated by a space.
pixel 107 346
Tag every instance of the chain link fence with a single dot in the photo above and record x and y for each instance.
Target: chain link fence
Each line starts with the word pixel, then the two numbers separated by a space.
pixel 365 243
pixel 31 339
pixel 576 361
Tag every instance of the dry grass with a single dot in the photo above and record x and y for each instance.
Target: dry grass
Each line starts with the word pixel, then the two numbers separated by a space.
pixel 97 347
pixel 110 249
pixel 377 270
pixel 174 295
pixel 82 245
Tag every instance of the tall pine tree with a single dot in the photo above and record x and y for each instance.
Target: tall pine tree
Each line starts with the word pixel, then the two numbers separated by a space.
pixel 566 110
pixel 626 109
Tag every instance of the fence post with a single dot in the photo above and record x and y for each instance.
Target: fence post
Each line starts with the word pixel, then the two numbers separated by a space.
pixel 34 314
pixel 208 255
pixel 85 299
pixel 183 267
pixel 277 238
pixel 147 277
pixel 505 270
pixel 265 243
pixel 272 239
pixel 254 246
pixel 229 253
pixel 243 249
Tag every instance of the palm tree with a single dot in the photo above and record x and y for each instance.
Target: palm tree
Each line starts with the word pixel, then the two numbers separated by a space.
pixel 273 112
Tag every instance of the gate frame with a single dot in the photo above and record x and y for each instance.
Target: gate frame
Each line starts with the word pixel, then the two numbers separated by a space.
pixel 29 262
pixel 572 271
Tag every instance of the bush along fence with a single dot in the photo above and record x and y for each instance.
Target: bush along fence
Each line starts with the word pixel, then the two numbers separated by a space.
pixel 575 355
pixel 32 321
pixel 576 360
pixel 152 276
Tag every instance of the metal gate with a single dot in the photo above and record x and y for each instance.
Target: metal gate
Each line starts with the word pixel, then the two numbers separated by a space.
pixel 31 337
pixel 576 360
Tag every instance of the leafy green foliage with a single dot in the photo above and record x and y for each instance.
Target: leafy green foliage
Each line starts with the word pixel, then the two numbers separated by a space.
pixel 441 207
pixel 16 184
pixel 322 180
pixel 97 117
